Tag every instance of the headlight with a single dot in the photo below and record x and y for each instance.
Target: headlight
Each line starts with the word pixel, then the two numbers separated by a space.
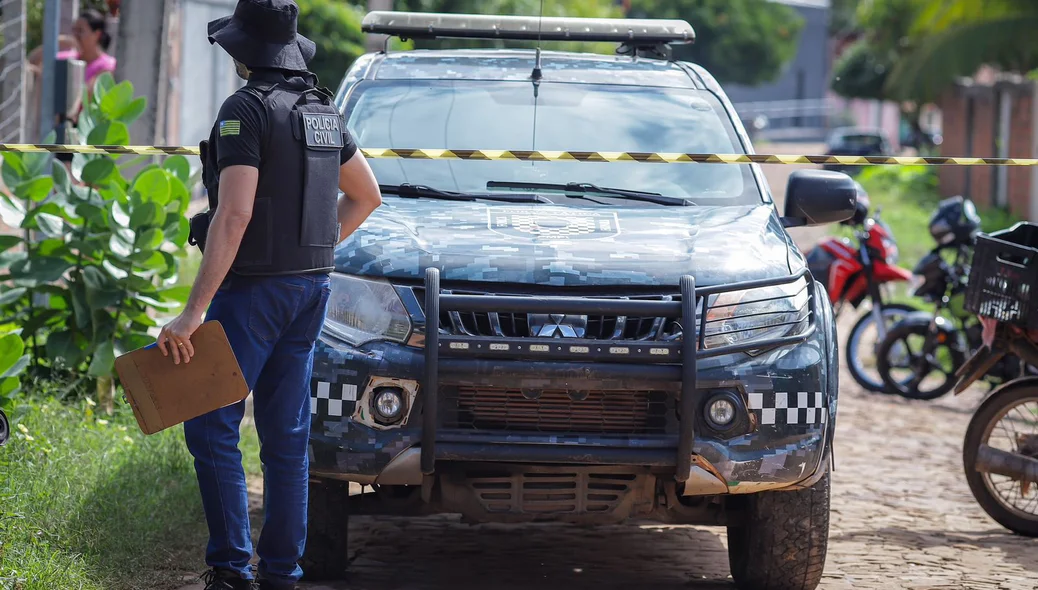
pixel 739 317
pixel 361 310
pixel 388 405
pixel 721 412
pixel 890 246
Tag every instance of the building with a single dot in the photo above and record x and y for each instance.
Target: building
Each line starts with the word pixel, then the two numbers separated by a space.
pixel 993 114
pixel 796 103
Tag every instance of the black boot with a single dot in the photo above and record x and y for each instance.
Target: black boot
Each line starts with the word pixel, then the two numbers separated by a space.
pixel 221 579
pixel 263 584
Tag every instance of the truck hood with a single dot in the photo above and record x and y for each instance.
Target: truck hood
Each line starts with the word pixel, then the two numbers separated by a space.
pixel 560 245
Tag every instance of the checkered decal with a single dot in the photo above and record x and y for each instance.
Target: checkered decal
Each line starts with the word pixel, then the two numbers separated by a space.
pixel 331 396
pixel 780 407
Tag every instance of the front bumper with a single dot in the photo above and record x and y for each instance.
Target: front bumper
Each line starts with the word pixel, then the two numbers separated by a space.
pixel 786 394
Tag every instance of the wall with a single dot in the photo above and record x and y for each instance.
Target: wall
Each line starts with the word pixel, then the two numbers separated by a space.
pixel 811 62
pixel 202 75
pixel 141 59
pixel 1019 186
pixel 12 72
pixel 871 114
pixel 972 130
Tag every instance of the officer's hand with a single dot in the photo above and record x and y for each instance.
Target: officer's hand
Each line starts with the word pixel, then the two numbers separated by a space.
pixel 175 338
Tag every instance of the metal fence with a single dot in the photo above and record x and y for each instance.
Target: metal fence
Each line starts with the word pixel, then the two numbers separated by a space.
pixel 12 70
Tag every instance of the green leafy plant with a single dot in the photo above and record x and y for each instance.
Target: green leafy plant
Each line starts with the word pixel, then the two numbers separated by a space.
pixel 13 361
pixel 97 256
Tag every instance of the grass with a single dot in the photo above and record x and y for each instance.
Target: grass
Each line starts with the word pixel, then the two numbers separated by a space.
pixel 87 501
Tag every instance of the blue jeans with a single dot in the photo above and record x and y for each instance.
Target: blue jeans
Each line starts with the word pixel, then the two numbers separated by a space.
pixel 272 324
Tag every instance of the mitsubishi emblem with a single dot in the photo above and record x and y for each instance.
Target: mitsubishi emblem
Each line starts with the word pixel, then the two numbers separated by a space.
pixel 557 325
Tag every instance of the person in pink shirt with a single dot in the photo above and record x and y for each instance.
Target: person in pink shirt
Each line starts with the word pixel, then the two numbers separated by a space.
pixel 89 42
pixel 92 41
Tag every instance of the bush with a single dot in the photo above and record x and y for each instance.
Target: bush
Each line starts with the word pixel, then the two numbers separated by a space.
pixel 96 256
pixel 335 27
pixel 13 361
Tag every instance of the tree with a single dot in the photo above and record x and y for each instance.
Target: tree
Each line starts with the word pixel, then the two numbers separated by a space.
pixel 842 19
pixel 861 72
pixel 335 28
pixel 572 8
pixel 739 41
pixel 954 38
pixel 864 69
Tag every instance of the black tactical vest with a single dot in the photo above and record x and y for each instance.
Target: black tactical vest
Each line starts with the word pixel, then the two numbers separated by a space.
pixel 294 226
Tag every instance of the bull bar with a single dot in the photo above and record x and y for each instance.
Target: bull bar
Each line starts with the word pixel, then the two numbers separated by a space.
pixel 481 357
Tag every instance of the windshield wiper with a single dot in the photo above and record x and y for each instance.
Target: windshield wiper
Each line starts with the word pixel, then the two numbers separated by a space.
pixel 584 188
pixel 414 191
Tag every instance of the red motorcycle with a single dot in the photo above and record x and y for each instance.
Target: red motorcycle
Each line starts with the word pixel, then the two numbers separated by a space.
pixel 855 272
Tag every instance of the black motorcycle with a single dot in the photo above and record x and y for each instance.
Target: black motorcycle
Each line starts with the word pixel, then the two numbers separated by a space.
pixel 1000 448
pixel 921 353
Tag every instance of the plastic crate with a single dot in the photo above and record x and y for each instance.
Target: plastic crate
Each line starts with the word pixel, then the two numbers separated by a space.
pixel 1003 280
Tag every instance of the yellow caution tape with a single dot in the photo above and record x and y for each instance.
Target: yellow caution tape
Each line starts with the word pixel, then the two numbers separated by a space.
pixel 556 156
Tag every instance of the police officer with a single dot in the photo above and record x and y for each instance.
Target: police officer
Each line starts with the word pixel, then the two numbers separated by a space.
pixel 276 154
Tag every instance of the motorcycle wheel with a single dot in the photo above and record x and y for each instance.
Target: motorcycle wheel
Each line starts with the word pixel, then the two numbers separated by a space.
pixel 856 361
pixel 1011 503
pixel 944 360
pixel 5 428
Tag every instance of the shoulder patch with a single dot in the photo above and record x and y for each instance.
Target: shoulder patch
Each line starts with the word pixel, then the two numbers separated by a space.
pixel 230 127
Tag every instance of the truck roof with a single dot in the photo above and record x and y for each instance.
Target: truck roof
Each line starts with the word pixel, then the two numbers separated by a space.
pixel 517 64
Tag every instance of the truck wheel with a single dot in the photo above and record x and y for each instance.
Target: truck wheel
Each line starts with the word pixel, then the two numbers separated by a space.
pixel 327 531
pixel 781 541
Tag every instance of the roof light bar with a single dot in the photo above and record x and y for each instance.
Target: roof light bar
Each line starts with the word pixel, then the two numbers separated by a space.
pixel 431 25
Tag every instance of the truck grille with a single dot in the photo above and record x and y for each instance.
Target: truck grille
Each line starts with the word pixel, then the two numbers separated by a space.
pixel 592 327
pixel 557 411
pixel 558 492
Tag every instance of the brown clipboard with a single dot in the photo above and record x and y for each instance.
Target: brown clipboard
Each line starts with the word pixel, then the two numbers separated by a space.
pixel 164 394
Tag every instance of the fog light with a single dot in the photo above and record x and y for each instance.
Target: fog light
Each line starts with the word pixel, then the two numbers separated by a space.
pixel 389 405
pixel 721 412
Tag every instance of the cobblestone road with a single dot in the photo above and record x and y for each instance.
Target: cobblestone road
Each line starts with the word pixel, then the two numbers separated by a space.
pixel 902 517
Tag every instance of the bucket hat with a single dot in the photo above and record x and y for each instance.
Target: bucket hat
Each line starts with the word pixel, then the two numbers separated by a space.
pixel 263 34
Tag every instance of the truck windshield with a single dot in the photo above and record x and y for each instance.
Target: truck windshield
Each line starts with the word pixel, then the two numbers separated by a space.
pixel 468 115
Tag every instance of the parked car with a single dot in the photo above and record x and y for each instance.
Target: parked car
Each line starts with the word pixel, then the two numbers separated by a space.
pixel 517 340
pixel 855 141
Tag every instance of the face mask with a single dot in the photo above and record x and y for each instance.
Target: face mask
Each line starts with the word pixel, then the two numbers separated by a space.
pixel 242 71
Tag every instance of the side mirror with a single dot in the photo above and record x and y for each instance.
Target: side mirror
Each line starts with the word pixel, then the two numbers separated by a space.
pixel 819 197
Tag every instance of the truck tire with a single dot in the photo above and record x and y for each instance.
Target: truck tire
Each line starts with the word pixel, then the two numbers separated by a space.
pixel 781 540
pixel 325 557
